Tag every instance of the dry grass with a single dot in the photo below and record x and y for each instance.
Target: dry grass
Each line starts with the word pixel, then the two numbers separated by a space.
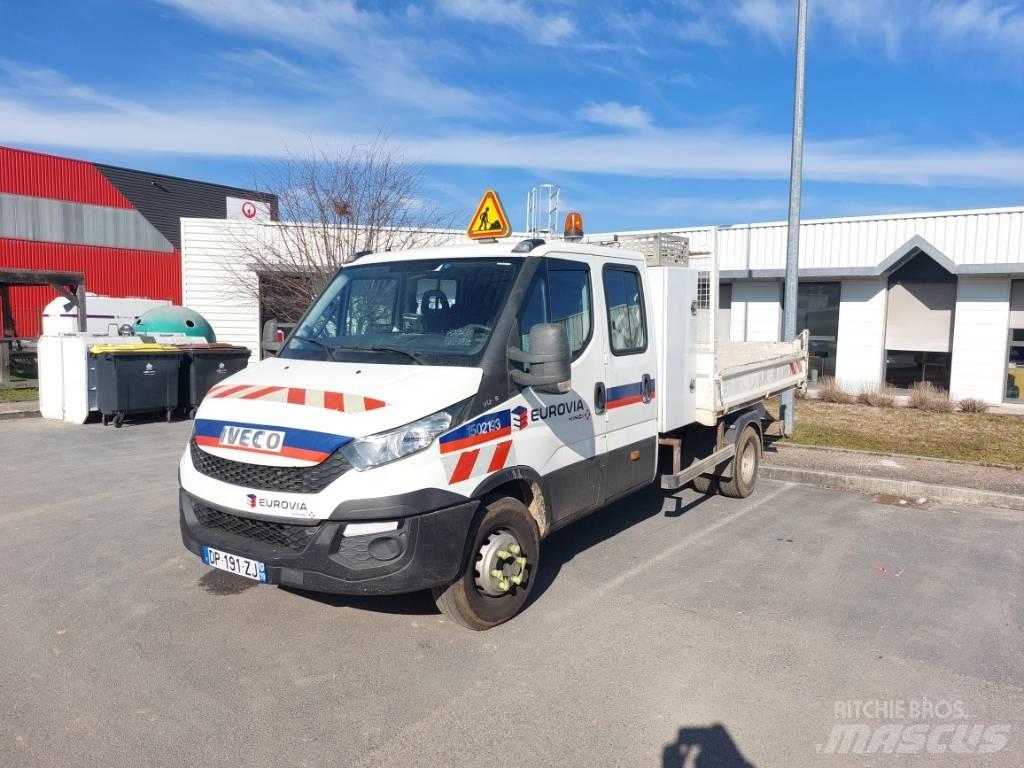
pixel 973 405
pixel 879 397
pixel 971 437
pixel 831 391
pixel 925 396
pixel 18 395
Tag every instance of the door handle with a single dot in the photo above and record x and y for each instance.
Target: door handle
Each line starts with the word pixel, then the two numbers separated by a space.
pixel 600 398
pixel 646 387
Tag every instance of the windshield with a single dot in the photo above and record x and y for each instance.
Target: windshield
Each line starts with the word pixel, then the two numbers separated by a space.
pixel 431 312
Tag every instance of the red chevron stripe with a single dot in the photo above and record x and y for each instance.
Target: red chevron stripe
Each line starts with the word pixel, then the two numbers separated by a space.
pixel 260 393
pixel 500 456
pixel 335 401
pixel 465 467
pixel 232 390
pixel 372 403
pixel 296 396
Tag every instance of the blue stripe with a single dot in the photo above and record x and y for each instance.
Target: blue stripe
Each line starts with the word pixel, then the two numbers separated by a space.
pixel 625 390
pixel 489 422
pixel 293 438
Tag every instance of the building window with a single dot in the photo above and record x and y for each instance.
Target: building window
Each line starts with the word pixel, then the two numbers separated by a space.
pixel 817 310
pixel 1015 356
pixel 919 324
pixel 905 369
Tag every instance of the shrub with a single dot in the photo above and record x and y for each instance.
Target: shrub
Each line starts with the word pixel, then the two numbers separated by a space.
pixel 925 396
pixel 877 396
pixel 973 405
pixel 831 391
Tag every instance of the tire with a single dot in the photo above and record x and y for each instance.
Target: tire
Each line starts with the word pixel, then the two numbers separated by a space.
pixel 745 465
pixel 503 520
pixel 118 419
pixel 705 484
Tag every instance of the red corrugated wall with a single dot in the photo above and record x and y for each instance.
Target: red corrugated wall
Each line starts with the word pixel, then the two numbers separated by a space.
pixel 108 272
pixel 58 178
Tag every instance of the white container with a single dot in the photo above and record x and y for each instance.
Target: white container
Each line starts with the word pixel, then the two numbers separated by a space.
pixel 104 314
pixel 67 375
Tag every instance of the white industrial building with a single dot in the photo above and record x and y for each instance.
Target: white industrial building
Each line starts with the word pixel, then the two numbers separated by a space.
pixel 888 299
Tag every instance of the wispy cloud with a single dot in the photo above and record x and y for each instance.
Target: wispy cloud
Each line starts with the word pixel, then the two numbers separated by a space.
pixel 44 81
pixel 264 61
pixel 517 14
pixel 890 25
pixel 360 39
pixel 615 115
pixel 714 152
pixel 771 18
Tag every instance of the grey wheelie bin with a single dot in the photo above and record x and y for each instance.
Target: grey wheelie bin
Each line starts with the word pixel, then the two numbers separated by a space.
pixel 136 378
pixel 205 365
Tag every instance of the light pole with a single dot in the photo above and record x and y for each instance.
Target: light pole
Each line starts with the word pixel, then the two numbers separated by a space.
pixel 796 165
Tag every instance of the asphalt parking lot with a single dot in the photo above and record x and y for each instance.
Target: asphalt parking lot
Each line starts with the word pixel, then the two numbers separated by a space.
pixel 675 631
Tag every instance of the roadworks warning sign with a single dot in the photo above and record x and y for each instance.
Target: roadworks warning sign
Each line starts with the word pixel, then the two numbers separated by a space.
pixel 490 219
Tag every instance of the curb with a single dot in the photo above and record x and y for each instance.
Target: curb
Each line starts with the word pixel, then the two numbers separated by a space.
pixel 12 415
pixel 947 494
pixel 777 444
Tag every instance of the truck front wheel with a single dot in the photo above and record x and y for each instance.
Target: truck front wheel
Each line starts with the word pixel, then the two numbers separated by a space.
pixel 745 465
pixel 501 566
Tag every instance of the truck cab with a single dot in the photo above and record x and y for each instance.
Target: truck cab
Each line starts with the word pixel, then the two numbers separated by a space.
pixel 438 412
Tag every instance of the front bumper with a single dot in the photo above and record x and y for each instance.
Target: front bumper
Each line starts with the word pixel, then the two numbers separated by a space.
pixel 425 551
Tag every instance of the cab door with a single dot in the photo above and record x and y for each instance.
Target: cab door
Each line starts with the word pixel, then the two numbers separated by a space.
pixel 631 414
pixel 563 435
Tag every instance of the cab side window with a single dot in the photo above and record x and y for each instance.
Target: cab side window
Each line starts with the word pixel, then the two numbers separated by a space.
pixel 560 293
pixel 627 325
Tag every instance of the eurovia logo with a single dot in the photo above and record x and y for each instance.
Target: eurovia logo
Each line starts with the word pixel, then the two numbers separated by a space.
pixel 149 370
pixel 220 367
pixel 284 505
pixel 520 418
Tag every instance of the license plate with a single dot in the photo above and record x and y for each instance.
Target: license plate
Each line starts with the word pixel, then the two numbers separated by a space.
pixel 240 566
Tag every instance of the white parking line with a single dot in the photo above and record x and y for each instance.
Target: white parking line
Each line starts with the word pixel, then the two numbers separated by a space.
pixel 630 573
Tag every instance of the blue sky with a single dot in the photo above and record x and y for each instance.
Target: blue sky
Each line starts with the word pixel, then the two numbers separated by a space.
pixel 647 114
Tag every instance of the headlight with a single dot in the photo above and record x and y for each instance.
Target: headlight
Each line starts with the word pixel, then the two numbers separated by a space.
pixel 379 449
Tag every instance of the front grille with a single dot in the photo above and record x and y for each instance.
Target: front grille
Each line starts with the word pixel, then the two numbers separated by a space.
pixel 294 537
pixel 288 479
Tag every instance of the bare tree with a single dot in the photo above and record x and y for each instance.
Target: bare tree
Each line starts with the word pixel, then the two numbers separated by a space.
pixel 332 205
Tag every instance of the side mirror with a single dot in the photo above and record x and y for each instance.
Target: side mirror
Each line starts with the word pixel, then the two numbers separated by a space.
pixel 549 358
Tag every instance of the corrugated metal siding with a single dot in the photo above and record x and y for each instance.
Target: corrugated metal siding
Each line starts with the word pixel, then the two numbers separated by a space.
pixel 60 221
pixel 108 271
pixel 861 333
pixel 979 339
pixel 213 276
pixel 966 237
pixel 166 200
pixel 58 178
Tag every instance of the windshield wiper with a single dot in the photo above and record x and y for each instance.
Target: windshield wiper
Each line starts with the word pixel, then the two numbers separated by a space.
pixel 327 347
pixel 355 347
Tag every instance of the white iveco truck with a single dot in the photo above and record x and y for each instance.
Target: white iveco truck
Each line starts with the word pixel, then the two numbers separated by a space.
pixel 438 412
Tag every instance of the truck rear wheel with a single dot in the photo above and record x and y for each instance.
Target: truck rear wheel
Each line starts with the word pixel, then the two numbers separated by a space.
pixel 745 465
pixel 705 484
pixel 501 564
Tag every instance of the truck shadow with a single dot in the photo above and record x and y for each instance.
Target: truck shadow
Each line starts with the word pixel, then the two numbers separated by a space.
pixel 703 747
pixel 563 545
pixel 558 549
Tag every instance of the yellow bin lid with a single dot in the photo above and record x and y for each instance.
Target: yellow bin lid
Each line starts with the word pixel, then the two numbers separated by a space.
pixel 140 347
